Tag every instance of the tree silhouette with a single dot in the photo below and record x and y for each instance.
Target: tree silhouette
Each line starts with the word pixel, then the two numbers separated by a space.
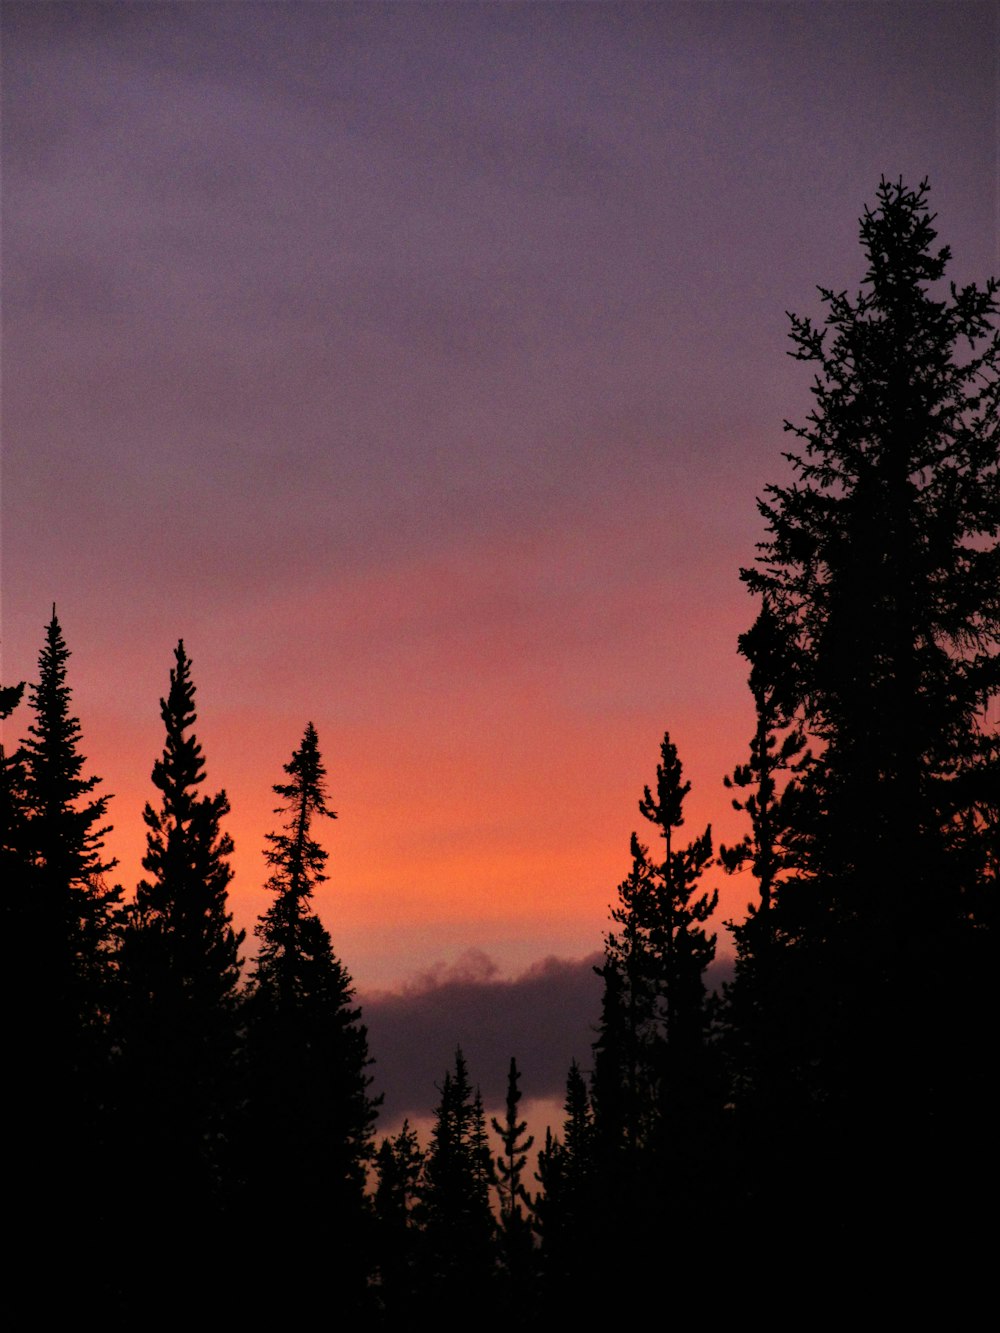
pixel 654 1020
pixel 655 1089
pixel 398 1164
pixel 62 920
pixel 73 911
pixel 515 1228
pixel 284 973
pixel 455 1198
pixel 566 1210
pixel 181 919
pixel 881 566
pixel 310 1112
pixel 180 965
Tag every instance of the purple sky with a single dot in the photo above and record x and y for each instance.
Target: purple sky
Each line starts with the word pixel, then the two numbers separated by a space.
pixel 420 365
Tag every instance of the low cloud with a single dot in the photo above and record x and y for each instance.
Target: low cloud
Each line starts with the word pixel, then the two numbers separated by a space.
pixel 546 1017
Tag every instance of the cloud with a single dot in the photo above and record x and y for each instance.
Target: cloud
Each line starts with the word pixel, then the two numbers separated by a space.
pixel 545 1018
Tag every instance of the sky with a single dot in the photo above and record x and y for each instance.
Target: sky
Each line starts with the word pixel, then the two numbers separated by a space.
pixel 420 365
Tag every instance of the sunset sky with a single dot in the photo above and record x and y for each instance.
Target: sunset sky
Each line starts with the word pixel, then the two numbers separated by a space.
pixel 419 365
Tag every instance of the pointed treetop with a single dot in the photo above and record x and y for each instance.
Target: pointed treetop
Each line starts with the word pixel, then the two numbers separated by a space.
pixel 666 808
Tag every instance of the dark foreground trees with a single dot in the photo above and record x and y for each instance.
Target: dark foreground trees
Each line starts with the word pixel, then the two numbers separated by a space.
pixel 852 1129
pixel 881 566
pixel 457 1254
pixel 880 574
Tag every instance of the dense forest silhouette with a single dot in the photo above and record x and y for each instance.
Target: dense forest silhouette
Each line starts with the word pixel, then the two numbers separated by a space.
pixel 189 1141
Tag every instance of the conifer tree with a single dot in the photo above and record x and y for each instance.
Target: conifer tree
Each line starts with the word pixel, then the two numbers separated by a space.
pixel 284 973
pixel 515 1228
pixel 182 912
pixel 310 1111
pixel 881 566
pixel 455 1197
pixel 655 1089
pixel 624 1058
pixel 566 1208
pixel 180 963
pixel 63 922
pixel 398 1166
pixel 654 1020
pixel 73 910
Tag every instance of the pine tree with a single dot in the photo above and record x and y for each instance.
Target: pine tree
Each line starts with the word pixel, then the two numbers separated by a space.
pixel 62 919
pixel 181 918
pixel 629 1030
pixel 284 974
pixel 73 910
pixel 881 566
pixel 180 965
pixel 310 1111
pixel 455 1198
pixel 655 1088
pixel 398 1165
pixel 566 1210
pixel 515 1228
pixel 654 1019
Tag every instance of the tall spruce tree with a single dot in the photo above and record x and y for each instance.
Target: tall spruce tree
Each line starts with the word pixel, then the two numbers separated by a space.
pixel 180 966
pixel 654 1020
pixel 181 917
pixel 654 1088
pixel 881 565
pixel 310 1111
pixel 63 922
pixel 73 910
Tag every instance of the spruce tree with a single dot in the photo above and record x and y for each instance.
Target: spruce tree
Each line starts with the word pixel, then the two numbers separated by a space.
pixel 881 565
pixel 654 1019
pixel 624 1060
pixel 63 920
pixel 73 910
pixel 655 1088
pixel 181 919
pixel 458 1225
pixel 398 1166
pixel 310 1111
pixel 515 1229
pixel 284 973
pixel 566 1210
pixel 180 965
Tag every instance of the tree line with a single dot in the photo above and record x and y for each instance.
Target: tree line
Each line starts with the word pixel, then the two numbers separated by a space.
pixel 822 1122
